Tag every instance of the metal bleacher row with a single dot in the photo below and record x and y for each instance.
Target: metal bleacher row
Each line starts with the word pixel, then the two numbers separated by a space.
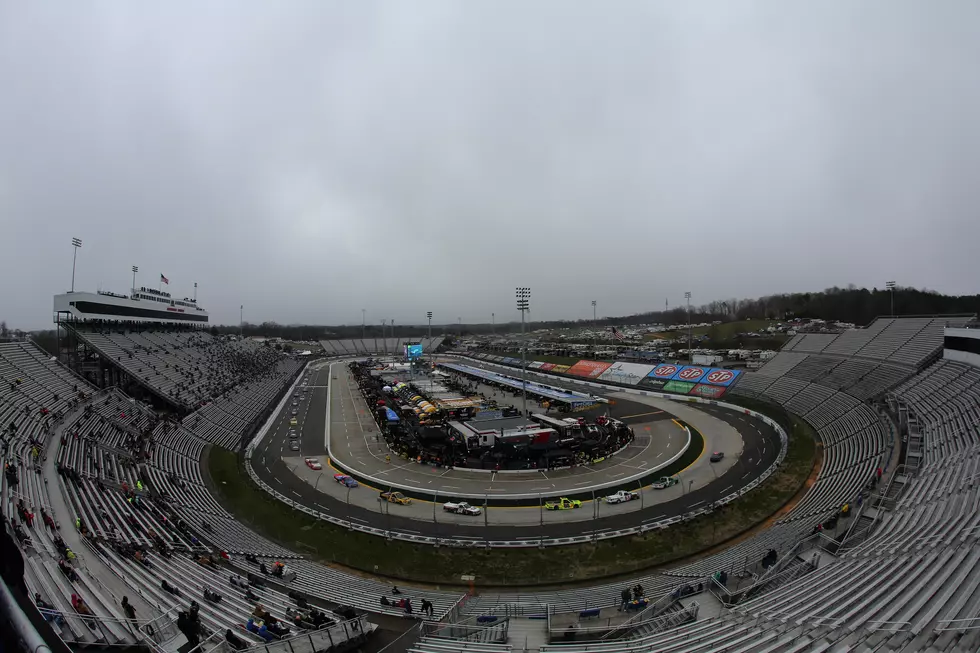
pixel 364 346
pixel 911 580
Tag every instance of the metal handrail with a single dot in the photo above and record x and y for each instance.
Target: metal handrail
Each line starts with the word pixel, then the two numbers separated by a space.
pixel 900 623
pixel 947 624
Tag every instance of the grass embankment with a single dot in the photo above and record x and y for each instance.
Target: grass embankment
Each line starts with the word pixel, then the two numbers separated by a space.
pixel 517 567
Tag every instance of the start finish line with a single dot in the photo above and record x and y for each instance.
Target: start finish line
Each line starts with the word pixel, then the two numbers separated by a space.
pixel 575 399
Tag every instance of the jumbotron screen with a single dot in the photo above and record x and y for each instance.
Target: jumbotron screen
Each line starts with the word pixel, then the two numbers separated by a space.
pixel 413 351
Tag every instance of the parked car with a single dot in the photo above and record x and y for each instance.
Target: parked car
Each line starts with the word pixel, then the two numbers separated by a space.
pixel 622 496
pixel 717 456
pixel 345 480
pixel 313 464
pixel 461 508
pixel 394 497
pixel 664 482
pixel 563 503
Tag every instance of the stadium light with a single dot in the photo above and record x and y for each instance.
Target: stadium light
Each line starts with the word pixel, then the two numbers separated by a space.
pixel 363 322
pixel 241 321
pixel 890 285
pixel 429 315
pixel 136 269
pixel 593 328
pixel 76 243
pixel 523 305
pixel 690 351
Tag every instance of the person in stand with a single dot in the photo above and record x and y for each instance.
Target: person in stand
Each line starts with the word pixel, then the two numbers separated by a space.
pixel 129 610
pixel 234 641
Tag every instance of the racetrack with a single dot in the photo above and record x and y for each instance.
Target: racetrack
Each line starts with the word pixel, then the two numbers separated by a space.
pixel 350 421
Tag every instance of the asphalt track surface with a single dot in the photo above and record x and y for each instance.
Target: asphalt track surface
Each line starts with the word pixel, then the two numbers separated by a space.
pixel 282 469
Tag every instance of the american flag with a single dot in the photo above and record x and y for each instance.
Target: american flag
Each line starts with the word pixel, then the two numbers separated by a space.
pixel 164 279
pixel 616 334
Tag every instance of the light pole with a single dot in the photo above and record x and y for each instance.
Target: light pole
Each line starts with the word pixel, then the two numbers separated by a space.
pixel 136 269
pixel 523 305
pixel 593 328
pixel 76 243
pixel 363 322
pixel 429 315
pixel 890 285
pixel 690 352
pixel 383 337
pixel 493 323
pixel 460 321
pixel 241 321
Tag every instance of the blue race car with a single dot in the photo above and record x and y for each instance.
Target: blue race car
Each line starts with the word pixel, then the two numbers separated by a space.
pixel 345 480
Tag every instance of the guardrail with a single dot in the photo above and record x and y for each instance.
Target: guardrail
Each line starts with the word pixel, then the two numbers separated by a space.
pixel 473 543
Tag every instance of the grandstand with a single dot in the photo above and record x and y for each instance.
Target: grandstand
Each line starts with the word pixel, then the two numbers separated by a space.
pixel 900 574
pixel 378 346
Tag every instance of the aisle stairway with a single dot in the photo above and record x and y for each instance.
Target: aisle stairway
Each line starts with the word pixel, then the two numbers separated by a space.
pixel 527 634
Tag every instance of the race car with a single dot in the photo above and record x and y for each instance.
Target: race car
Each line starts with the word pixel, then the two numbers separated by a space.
pixel 345 480
pixel 461 508
pixel 717 456
pixel 394 497
pixel 622 496
pixel 313 463
pixel 563 504
pixel 663 482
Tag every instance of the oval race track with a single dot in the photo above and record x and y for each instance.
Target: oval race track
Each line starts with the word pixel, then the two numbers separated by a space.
pixel 351 422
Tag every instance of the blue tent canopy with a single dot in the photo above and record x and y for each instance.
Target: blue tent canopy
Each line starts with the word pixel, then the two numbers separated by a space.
pixel 391 415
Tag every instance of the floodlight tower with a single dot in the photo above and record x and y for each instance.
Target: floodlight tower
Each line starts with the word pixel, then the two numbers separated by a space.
pixel 890 285
pixel 429 315
pixel 690 351
pixel 593 328
pixel 363 322
pixel 523 305
pixel 136 269
pixel 76 243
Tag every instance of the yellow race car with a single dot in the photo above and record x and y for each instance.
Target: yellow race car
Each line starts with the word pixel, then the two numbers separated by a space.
pixel 563 504
pixel 394 497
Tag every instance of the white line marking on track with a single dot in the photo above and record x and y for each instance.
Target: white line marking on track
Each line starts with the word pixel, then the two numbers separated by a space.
pixel 695 504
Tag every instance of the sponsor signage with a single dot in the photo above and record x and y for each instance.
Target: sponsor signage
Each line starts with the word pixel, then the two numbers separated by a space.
pixel 716 376
pixel 709 391
pixel 534 365
pixel 628 373
pixel 512 361
pixel 680 387
pixel 690 373
pixel 664 371
pixel 560 369
pixel 588 369
pixel 547 367
pixel 652 383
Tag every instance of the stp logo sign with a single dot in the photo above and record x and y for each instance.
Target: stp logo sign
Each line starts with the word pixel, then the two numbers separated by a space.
pixel 666 370
pixel 721 376
pixel 691 373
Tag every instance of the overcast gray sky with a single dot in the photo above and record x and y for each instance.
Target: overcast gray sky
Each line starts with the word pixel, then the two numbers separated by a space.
pixel 310 159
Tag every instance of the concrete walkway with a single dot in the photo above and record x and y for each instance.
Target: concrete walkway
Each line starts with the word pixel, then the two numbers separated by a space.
pixel 113 587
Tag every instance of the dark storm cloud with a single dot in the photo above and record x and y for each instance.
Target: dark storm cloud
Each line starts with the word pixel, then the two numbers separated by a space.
pixel 310 159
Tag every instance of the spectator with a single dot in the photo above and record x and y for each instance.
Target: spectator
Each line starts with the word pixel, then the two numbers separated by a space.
pixel 129 610
pixel 234 641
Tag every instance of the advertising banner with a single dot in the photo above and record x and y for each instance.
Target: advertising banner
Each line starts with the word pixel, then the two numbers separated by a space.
pixel 709 391
pixel 680 387
pixel 717 376
pixel 691 374
pixel 652 383
pixel 664 371
pixel 628 373
pixel 589 369
pixel 560 369
pixel 547 367
pixel 511 361
pixel 534 365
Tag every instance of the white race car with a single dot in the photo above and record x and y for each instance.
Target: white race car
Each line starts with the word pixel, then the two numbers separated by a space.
pixel 461 508
pixel 622 497
pixel 663 482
